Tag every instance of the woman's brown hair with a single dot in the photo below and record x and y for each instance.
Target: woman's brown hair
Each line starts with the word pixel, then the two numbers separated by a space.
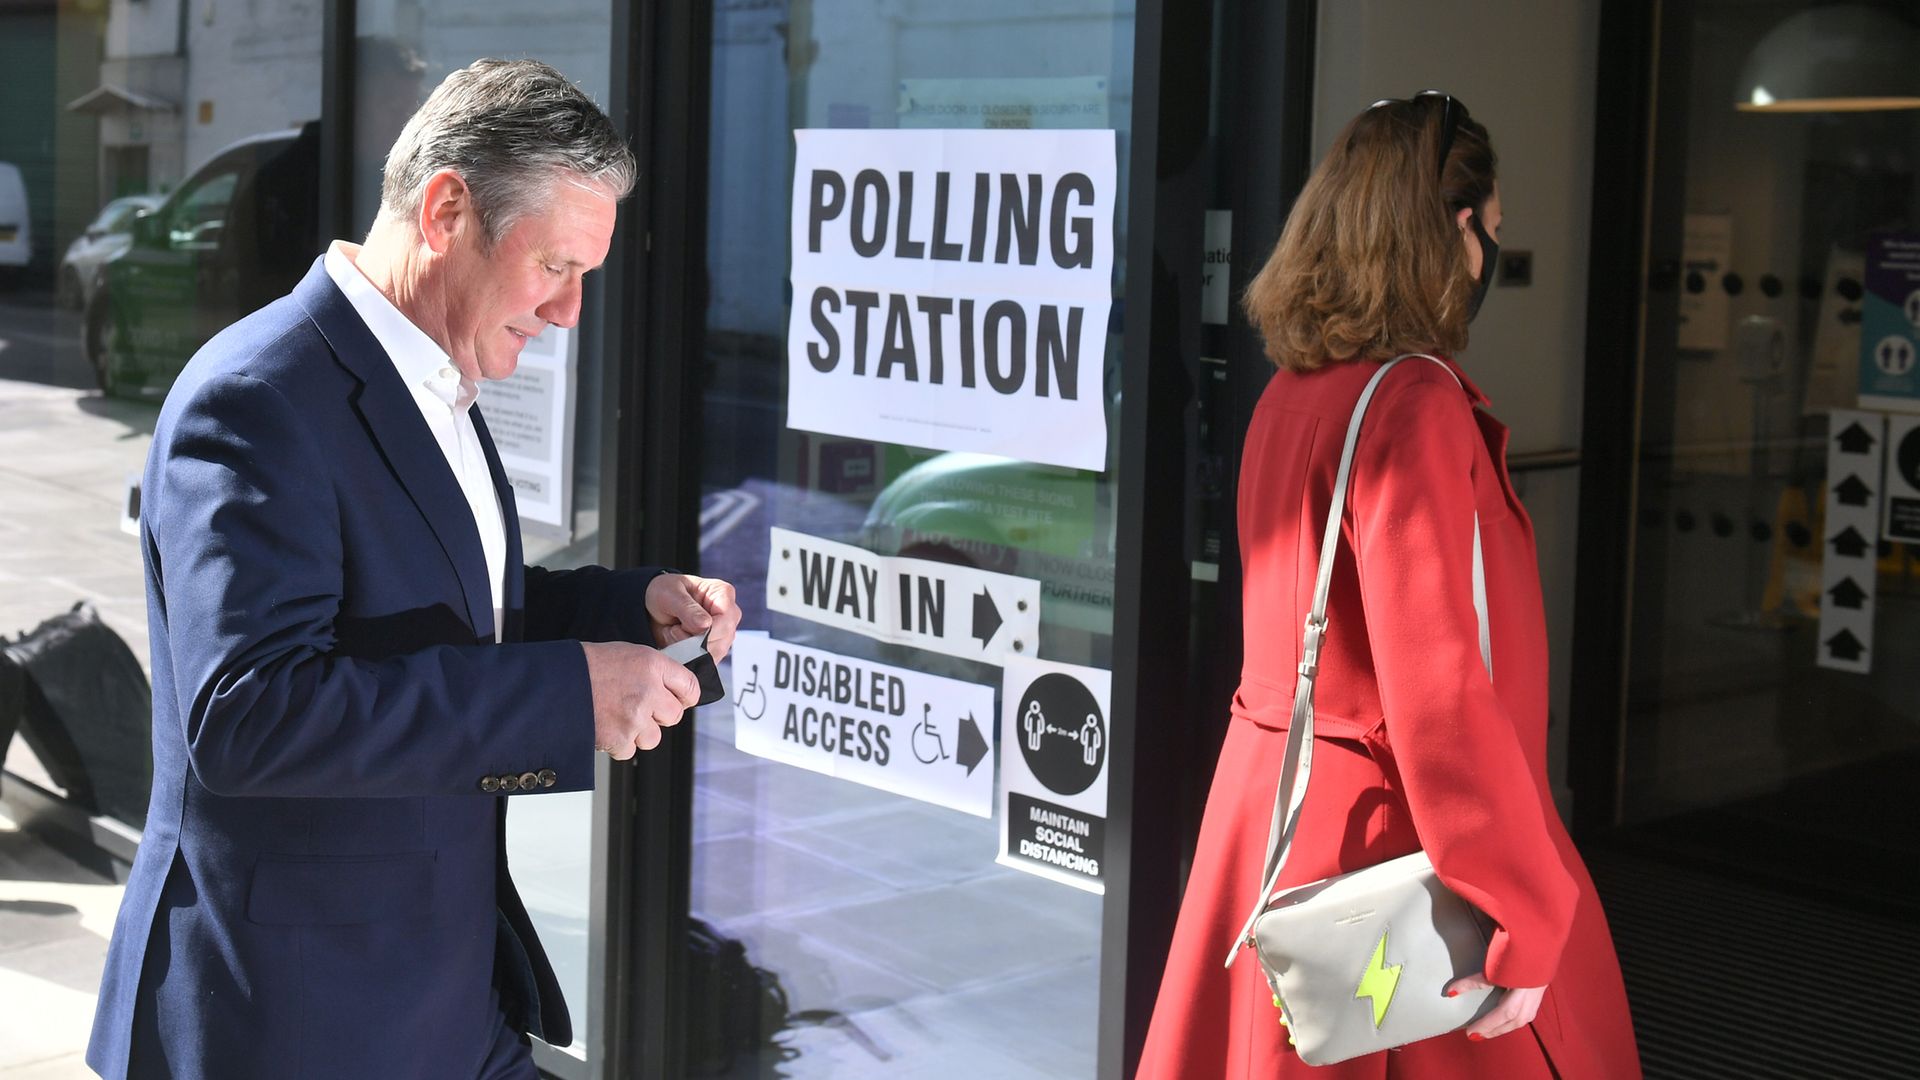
pixel 1370 263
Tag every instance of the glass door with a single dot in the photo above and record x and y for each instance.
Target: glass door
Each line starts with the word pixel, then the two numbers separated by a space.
pixel 1772 720
pixel 910 412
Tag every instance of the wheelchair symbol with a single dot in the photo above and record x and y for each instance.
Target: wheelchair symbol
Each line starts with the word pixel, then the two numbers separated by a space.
pixel 939 751
pixel 759 708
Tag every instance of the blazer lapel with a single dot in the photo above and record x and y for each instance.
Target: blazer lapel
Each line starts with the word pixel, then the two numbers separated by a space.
pixel 513 596
pixel 388 408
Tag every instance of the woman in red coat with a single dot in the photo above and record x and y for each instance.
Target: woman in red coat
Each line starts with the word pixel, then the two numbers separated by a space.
pixel 1388 251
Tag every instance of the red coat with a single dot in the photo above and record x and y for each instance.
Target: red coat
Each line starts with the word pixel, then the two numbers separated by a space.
pixel 1415 747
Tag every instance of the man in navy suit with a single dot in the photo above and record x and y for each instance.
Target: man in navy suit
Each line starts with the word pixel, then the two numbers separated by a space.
pixel 352 668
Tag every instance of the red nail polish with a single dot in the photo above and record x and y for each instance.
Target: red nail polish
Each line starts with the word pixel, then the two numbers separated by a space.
pixel 1453 993
pixel 1474 1036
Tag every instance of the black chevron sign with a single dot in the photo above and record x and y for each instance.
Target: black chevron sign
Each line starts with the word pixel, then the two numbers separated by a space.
pixel 1847 594
pixel 1853 492
pixel 1844 646
pixel 1855 440
pixel 1850 543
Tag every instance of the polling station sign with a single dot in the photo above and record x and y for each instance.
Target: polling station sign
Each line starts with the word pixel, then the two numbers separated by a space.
pixel 951 289
pixel 914 734
pixel 1055 728
pixel 955 610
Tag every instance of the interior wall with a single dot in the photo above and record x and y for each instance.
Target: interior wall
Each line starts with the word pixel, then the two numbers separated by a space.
pixel 1527 69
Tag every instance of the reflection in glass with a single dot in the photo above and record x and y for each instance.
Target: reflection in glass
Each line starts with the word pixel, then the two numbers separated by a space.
pixel 1755 729
pixel 402 50
pixel 874 933
pixel 157 182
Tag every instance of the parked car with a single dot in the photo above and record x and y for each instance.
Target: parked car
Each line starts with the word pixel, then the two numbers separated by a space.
pixel 16 234
pixel 107 236
pixel 237 233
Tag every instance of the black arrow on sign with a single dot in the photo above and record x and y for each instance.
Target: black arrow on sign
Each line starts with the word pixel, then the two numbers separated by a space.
pixel 1855 440
pixel 1847 594
pixel 973 745
pixel 1844 646
pixel 1850 543
pixel 986 617
pixel 1853 492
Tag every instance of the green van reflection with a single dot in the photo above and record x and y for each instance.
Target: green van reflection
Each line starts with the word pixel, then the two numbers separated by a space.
pixel 1008 516
pixel 235 235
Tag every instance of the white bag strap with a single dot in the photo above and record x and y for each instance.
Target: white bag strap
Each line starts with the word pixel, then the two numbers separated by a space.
pixel 1296 767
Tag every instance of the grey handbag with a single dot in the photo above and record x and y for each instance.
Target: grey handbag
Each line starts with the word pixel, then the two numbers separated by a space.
pixel 1359 963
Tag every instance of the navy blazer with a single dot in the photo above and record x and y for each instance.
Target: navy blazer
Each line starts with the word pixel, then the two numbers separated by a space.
pixel 322 887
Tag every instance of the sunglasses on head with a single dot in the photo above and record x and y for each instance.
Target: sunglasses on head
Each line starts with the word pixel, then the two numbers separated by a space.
pixel 1451 112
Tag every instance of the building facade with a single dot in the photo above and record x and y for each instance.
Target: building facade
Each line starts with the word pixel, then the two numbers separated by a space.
pixel 1702 337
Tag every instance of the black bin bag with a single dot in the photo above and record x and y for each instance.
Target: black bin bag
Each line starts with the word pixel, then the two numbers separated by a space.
pixel 84 707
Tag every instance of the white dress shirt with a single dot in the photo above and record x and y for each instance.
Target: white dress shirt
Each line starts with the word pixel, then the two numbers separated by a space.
pixel 444 396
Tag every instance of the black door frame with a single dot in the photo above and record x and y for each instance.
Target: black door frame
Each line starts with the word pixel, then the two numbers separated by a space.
pixel 661 98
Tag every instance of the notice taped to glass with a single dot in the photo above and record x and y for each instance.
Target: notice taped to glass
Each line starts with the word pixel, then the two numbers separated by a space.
pixel 530 415
pixel 941 607
pixel 951 289
pixel 892 728
pixel 1055 727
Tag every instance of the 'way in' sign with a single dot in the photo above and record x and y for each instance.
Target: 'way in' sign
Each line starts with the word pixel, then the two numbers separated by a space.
pixel 955 610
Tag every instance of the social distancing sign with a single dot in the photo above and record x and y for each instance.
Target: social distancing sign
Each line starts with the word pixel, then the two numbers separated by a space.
pixel 955 610
pixel 1902 521
pixel 914 734
pixel 1055 730
pixel 951 289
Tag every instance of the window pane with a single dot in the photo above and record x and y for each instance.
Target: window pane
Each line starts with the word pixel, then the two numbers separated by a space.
pixel 209 127
pixel 1773 702
pixel 401 52
pixel 880 936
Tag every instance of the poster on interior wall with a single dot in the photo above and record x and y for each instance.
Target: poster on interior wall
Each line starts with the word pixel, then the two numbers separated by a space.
pixel 951 290
pixel 903 731
pixel 1216 267
pixel 1071 101
pixel 1833 379
pixel 1704 305
pixel 1890 324
pixel 1856 448
pixel 1055 728
pixel 941 607
pixel 1901 522
pixel 530 415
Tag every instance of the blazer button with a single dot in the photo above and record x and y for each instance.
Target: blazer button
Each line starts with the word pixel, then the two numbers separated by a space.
pixel 489 784
pixel 548 778
pixel 509 782
pixel 528 781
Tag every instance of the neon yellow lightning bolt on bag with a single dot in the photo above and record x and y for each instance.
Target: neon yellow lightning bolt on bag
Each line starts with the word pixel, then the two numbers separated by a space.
pixel 1359 963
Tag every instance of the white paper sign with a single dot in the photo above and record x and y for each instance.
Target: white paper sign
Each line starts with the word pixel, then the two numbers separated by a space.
pixel 919 735
pixel 1902 521
pixel 1856 444
pixel 1055 728
pixel 951 290
pixel 530 416
pixel 955 610
pixel 1215 298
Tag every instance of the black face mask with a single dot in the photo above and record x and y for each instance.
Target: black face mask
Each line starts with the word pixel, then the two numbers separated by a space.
pixel 1489 256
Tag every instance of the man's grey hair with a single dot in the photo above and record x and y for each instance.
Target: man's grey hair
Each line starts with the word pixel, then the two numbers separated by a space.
pixel 512 129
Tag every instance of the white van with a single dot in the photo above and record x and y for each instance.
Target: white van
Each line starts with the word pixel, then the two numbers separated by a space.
pixel 16 237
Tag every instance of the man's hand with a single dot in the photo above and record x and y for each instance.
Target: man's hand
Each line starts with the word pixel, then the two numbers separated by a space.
pixel 682 606
pixel 636 692
pixel 1515 1010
